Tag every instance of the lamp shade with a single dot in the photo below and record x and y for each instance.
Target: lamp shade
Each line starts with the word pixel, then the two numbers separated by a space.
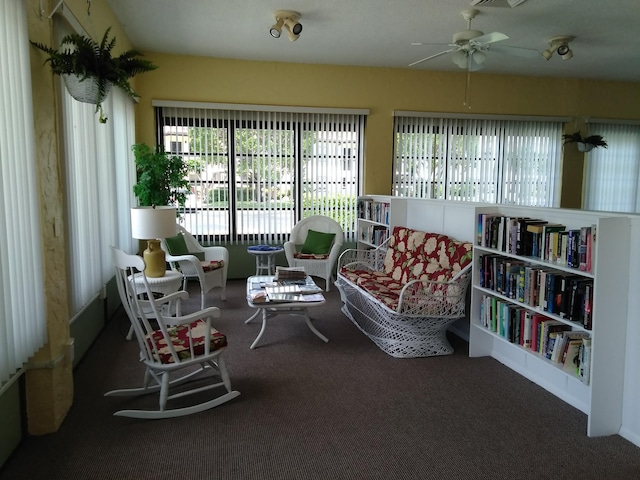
pixel 153 222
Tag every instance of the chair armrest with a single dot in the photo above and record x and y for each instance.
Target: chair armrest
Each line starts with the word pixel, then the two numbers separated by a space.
pixel 290 249
pixel 216 253
pixel 212 312
pixel 435 299
pixel 355 259
pixel 189 264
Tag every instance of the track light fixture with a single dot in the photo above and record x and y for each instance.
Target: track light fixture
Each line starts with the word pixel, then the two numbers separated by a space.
pixel 561 45
pixel 276 28
pixel 289 20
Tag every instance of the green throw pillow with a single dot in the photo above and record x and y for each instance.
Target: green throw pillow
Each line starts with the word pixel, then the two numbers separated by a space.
pixel 318 243
pixel 178 246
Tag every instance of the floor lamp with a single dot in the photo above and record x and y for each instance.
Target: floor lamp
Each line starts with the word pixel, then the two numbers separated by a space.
pixel 152 224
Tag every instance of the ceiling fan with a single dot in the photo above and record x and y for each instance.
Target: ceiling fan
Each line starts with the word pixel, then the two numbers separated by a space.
pixel 469 47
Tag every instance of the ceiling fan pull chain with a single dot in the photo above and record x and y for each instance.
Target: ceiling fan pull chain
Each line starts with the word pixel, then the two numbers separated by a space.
pixel 466 90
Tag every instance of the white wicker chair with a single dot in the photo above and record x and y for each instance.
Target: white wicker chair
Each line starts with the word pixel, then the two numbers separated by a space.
pixel 193 267
pixel 318 267
pixel 170 344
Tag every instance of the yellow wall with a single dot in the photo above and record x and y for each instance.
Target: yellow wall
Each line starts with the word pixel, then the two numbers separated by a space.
pixel 382 90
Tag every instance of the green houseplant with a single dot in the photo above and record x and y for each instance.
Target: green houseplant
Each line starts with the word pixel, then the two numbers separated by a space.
pixel 161 177
pixel 89 69
pixel 585 144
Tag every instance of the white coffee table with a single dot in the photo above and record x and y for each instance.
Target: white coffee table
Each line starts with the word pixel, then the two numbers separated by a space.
pixel 269 310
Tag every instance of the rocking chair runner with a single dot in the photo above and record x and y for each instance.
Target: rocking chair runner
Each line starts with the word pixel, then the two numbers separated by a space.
pixel 172 345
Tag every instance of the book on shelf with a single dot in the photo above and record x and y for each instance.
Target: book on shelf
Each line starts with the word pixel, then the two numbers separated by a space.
pixel 571 353
pixel 584 372
pixel 545 240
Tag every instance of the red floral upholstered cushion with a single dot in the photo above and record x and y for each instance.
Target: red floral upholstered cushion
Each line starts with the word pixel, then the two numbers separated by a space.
pixel 413 254
pixel 179 337
pixel 212 265
pixel 311 256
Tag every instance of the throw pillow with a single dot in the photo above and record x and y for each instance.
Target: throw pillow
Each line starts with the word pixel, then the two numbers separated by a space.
pixel 318 243
pixel 178 246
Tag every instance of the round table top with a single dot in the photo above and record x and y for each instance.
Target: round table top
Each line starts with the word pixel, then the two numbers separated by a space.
pixel 264 249
pixel 169 276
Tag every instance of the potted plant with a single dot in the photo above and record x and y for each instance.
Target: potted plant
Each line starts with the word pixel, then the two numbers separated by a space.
pixel 585 144
pixel 162 178
pixel 89 69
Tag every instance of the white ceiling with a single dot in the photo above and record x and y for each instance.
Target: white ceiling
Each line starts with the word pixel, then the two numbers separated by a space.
pixel 380 32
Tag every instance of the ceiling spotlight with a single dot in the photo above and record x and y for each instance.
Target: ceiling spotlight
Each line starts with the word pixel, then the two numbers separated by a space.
pixel 561 45
pixel 293 25
pixel 276 28
pixel 565 52
pixel 289 20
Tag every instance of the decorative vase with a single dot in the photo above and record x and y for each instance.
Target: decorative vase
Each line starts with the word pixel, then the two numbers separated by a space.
pixel 585 147
pixel 84 90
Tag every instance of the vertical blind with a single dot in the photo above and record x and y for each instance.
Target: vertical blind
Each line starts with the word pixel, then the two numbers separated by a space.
pixel 484 160
pixel 99 174
pixel 613 173
pixel 99 177
pixel 254 173
pixel 22 311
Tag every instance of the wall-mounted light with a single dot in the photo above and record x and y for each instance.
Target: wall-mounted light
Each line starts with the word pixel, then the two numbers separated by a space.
pixel 289 20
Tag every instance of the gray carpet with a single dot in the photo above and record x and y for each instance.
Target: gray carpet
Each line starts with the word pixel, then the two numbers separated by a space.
pixel 310 410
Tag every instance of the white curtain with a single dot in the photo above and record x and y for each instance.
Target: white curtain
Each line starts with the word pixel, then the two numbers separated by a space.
pixel 488 160
pixel 99 173
pixel 254 172
pixel 22 311
pixel 612 177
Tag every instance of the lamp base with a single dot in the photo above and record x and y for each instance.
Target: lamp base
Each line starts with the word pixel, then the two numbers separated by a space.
pixel 154 259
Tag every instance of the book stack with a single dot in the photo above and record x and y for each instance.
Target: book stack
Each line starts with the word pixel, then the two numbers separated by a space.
pixel 290 273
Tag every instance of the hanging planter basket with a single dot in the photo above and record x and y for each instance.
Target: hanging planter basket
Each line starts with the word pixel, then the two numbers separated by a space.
pixel 585 147
pixel 84 90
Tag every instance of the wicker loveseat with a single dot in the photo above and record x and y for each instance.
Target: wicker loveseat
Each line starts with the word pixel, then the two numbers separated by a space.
pixel 404 294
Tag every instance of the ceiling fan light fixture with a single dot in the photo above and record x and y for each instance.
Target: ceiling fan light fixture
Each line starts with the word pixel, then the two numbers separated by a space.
pixel 479 57
pixel 460 58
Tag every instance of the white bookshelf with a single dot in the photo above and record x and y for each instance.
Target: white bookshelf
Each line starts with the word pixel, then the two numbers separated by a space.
pixel 374 216
pixel 600 398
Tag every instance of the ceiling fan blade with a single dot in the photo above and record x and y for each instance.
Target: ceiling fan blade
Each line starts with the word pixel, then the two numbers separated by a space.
pixel 489 38
pixel 432 56
pixel 516 51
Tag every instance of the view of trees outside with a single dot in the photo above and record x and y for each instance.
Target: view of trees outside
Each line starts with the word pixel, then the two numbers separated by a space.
pixel 497 161
pixel 279 176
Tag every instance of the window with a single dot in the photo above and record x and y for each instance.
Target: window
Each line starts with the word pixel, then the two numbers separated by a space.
pixel 99 172
pixel 613 173
pixel 255 172
pixel 488 160
pixel 23 327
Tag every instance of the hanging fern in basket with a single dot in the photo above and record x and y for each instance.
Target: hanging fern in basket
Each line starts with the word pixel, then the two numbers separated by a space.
pixel 93 62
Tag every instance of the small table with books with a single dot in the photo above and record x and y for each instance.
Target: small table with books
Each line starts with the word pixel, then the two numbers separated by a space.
pixel 271 297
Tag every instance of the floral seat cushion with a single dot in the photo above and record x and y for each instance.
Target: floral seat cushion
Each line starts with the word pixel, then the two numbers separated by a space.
pixel 212 265
pixel 412 255
pixel 311 256
pixel 181 341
